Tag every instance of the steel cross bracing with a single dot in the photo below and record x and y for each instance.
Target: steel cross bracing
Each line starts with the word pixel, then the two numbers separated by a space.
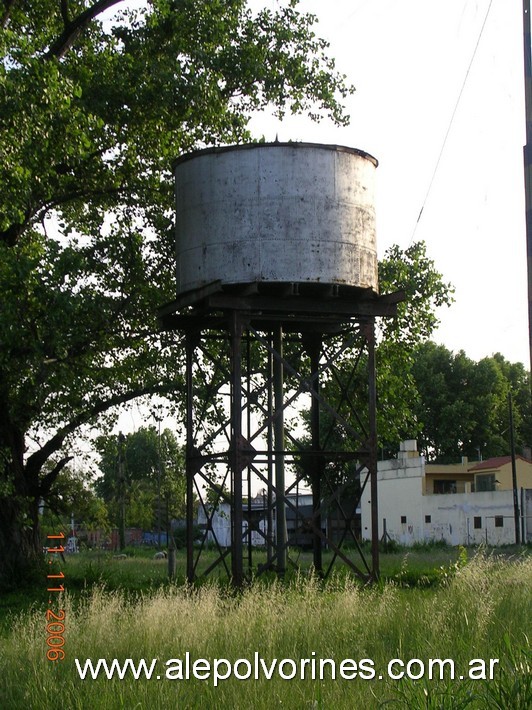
pixel 235 414
pixel 257 355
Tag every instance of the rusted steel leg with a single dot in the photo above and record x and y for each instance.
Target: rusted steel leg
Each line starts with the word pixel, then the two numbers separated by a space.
pixel 237 557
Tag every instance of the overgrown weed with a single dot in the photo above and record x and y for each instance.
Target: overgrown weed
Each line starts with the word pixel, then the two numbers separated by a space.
pixel 481 609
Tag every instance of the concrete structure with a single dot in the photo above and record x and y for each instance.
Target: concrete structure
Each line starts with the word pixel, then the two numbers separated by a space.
pixel 448 478
pixel 494 474
pixel 220 525
pixel 218 528
pixel 276 213
pixel 298 535
pixel 412 508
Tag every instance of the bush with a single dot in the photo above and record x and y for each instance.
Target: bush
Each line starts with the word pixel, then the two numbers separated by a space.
pixel 428 545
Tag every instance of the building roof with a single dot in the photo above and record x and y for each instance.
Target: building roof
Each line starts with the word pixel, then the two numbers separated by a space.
pixel 495 462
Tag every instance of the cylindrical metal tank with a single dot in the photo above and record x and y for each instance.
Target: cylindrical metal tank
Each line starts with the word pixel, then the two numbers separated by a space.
pixel 276 213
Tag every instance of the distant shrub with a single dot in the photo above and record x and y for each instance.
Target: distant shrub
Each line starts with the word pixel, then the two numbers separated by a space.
pixel 390 545
pixel 180 536
pixel 428 545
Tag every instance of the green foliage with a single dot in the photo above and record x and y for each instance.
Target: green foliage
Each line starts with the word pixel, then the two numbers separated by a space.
pixel 93 110
pixel 428 545
pixel 514 686
pixel 451 404
pixel 154 477
pixel 414 273
pixel 79 324
pixel 448 572
pixel 428 695
pixel 482 613
pixel 425 290
pixel 72 496
pixel 463 405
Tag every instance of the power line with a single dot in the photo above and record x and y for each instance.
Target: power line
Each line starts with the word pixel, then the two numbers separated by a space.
pixel 451 120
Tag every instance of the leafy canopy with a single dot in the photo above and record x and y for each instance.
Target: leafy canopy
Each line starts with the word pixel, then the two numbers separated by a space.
pixel 152 465
pixel 92 112
pixel 412 271
pixel 96 100
pixel 463 405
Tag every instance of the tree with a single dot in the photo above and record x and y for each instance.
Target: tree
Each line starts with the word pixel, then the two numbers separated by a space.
pixel 73 497
pixel 413 272
pixel 92 113
pixel 154 472
pixel 398 339
pixel 78 336
pixel 463 405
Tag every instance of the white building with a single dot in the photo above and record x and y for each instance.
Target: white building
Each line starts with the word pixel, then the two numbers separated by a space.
pixel 410 511
pixel 219 528
pixel 217 523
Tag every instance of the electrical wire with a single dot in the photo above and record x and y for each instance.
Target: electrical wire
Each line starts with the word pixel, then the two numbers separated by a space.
pixel 451 121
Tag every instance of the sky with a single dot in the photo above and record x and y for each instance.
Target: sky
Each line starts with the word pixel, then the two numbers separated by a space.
pixel 408 60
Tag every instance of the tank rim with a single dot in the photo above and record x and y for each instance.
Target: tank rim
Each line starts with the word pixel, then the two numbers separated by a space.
pixel 214 150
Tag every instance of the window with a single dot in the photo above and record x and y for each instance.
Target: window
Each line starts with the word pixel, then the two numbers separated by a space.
pixel 484 482
pixel 499 521
pixel 477 522
pixel 403 519
pixel 444 486
pixel 428 519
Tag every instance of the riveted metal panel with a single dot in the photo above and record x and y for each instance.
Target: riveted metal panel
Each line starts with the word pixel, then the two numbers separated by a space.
pixel 276 213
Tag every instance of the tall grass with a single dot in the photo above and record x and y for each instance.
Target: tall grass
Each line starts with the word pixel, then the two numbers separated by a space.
pixel 481 610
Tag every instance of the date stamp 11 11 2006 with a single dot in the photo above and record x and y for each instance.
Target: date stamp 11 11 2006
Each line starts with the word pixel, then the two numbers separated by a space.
pixel 55 627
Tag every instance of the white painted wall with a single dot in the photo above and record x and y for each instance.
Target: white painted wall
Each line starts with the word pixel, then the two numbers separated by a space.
pixel 452 516
pixel 400 484
pixel 221 526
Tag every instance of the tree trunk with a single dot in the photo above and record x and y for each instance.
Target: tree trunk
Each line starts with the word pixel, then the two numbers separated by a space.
pixel 21 489
pixel 20 544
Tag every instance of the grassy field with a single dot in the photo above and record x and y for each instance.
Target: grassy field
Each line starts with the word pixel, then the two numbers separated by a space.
pixel 438 607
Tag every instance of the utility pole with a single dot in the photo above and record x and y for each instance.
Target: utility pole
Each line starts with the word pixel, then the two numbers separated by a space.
pixel 527 154
pixel 514 472
pixel 159 466
pixel 122 491
pixel 279 443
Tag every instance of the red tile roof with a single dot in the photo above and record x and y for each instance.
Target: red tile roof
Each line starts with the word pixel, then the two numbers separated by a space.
pixel 495 462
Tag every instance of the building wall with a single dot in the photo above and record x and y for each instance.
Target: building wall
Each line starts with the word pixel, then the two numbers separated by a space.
pixel 413 517
pixel 133 537
pixel 451 472
pixel 526 505
pixel 453 518
pixel 504 475
pixel 221 524
pixel 400 492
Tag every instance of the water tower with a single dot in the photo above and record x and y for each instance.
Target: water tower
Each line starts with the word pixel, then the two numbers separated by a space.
pixel 277 297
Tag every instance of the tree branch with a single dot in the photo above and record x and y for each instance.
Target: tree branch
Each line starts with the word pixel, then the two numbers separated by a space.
pixel 77 195
pixel 8 6
pixel 12 234
pixel 72 31
pixel 48 480
pixel 36 461
pixel 65 13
